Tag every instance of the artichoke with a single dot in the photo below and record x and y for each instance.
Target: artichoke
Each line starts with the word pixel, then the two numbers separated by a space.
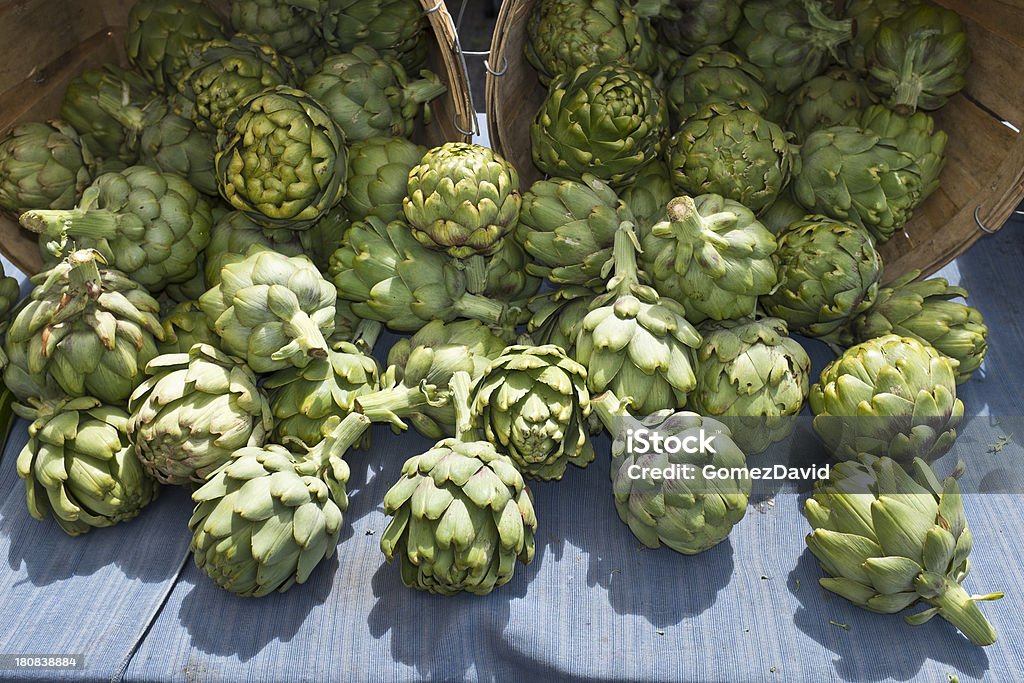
pixel 702 24
pixel 42 166
pixel 782 214
pixel 185 325
pixel 636 343
pixel 648 195
pixel 102 135
pixel 508 281
pixel 267 518
pixel 288 26
pixel 532 403
pixel 272 310
pixel 712 256
pixel 888 539
pixel 752 376
pixel 462 199
pixel 732 152
pixel 792 40
pixel 378 176
pixel 189 290
pixel 891 396
pixel 556 316
pixel 688 514
pixel 925 310
pixel 915 135
pixel 462 514
pixel 565 34
pixel 828 274
pixel 858 176
pixel 95 482
pixel 568 227
pixel 222 74
pixel 388 26
pixel 194 411
pixel 326 235
pixel 836 98
pixel 281 159
pixel 390 277
pixel 90 328
pixel 234 234
pixel 606 120
pixel 714 75
pixel 867 15
pixel 919 59
pixel 149 224
pixel 161 33
pixel 369 94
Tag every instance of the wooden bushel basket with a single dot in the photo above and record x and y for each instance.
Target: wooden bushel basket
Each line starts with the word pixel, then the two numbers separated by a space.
pixel 983 181
pixel 48 43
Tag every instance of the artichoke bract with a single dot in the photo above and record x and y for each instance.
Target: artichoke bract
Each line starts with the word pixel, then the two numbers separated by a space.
pixel 914 135
pixel 42 166
pixel 326 235
pixel 702 23
pixel 281 159
pixel 266 519
pixel 463 199
pixel 732 152
pixel 636 343
pixel 378 177
pixel 162 32
pixel 288 26
pixel 888 540
pixel 234 234
pixel 508 281
pixel 568 228
pixel 565 34
pixel 532 403
pixel 462 513
pixel 752 376
pixel 687 514
pixel 369 94
pixel 389 276
pixel 828 273
pixel 891 396
pixel 606 120
pixel 172 143
pixel 79 466
pixel 783 213
pixel 222 74
pixel 793 40
pixel 712 256
pixel 89 327
pixel 272 310
pixel 868 16
pixel 185 325
pixel 715 75
pixel 836 98
pixel 925 310
pixel 919 59
pixel 146 223
pixel 388 26
pixel 648 195
pixel 195 410
pixel 556 316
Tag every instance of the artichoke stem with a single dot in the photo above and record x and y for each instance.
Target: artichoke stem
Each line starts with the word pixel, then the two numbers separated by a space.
pixel 460 386
pixel 958 608
pixel 424 90
pixel 624 257
pixel 131 118
pixel 609 409
pixel 908 88
pixel 340 439
pixel 367 333
pixel 391 404
pixel 88 224
pixel 841 30
pixel 475 268
pixel 476 307
pixel 308 335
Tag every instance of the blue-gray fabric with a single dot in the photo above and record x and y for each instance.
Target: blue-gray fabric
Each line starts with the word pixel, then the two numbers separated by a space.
pixel 594 605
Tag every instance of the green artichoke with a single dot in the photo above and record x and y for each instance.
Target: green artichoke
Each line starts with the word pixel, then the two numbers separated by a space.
pixel 556 316
pixel 389 276
pixel 836 98
pixel 326 235
pixel 568 227
pixel 508 281
pixel 888 539
pixel 194 411
pixel 148 224
pixel 234 234
pixel 919 59
pixel 369 94
pixel 858 176
pixel 688 514
pixel 752 376
pixel 161 33
pixel 712 256
pixel 783 213
pixel 532 403
pixel 732 152
pixel 828 274
pixel 702 24
pixel 606 120
pixel 714 75
pixel 891 396
pixel 915 135
pixel 288 26
pixel 222 74
pixel 636 343
pixel 867 15
pixel 462 199
pixel 102 135
pixel 189 290
pixel 462 514
pixel 272 310
pixel 389 26
pixel 185 325
pixel 562 35
pixel 281 159
pixel 90 328
pixel 792 40
pixel 267 518
pixel 648 195
pixel 925 310
pixel 378 176
pixel 42 166
pixel 94 482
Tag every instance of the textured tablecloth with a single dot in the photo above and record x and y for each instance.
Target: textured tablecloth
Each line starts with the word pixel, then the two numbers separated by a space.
pixel 594 605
